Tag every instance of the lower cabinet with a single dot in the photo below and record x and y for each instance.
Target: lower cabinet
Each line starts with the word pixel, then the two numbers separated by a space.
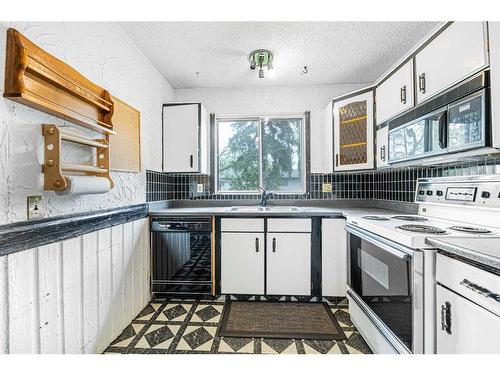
pixel 274 263
pixel 333 257
pixel 289 263
pixel 464 327
pixel 242 263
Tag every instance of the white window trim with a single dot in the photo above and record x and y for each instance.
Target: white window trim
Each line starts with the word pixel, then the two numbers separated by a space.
pixel 259 118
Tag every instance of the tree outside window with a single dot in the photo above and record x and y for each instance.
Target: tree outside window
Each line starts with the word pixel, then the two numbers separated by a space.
pixel 267 152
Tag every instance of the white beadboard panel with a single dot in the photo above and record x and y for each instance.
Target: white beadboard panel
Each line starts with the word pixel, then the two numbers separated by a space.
pixel 128 248
pixel 4 307
pixel 117 299
pixel 90 293
pixel 50 299
pixel 72 295
pixel 77 295
pixel 24 335
pixel 137 265
pixel 104 292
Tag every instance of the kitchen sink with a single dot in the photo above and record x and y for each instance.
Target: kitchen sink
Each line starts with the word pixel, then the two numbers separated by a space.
pixel 264 209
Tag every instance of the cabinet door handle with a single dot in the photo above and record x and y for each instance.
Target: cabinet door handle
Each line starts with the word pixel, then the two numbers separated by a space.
pixel 274 245
pixel 257 245
pixel 191 161
pixel 336 160
pixel 403 94
pixel 421 83
pixel 480 290
pixel 446 317
pixel 382 153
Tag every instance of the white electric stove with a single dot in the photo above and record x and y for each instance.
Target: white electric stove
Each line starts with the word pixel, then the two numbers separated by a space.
pixel 412 230
pixel 392 271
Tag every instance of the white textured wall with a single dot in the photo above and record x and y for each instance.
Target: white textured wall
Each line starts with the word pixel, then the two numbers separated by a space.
pixel 282 99
pixel 104 54
pixel 77 295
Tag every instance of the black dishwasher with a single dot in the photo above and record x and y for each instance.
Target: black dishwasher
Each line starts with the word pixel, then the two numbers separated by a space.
pixel 181 256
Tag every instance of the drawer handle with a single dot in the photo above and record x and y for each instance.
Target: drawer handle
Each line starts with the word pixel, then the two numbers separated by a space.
pixel 421 83
pixel 257 245
pixel 403 94
pixel 274 245
pixel 480 290
pixel 446 317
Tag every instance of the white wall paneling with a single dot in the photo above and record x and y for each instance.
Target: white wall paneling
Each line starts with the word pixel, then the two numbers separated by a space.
pixel 77 295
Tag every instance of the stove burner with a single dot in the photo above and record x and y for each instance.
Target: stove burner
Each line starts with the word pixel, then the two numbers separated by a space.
pixel 461 228
pixel 409 218
pixel 421 229
pixel 374 217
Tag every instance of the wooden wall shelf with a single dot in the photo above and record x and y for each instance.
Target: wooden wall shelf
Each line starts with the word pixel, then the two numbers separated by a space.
pixel 36 78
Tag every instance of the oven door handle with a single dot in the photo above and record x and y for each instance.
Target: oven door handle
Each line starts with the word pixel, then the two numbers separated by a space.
pixel 393 248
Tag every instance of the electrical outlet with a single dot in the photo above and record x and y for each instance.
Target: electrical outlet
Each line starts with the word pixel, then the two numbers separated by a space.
pixel 35 207
pixel 326 188
pixel 199 188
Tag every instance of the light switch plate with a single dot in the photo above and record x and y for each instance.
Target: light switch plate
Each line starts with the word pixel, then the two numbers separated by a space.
pixel 326 188
pixel 199 188
pixel 35 207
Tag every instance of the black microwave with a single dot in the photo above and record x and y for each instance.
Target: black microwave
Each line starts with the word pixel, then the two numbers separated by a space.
pixel 459 123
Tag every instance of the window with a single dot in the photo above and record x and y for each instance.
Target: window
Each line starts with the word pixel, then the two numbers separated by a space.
pixel 260 151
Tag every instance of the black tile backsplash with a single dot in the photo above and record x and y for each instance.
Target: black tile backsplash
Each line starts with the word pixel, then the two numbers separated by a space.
pixel 395 184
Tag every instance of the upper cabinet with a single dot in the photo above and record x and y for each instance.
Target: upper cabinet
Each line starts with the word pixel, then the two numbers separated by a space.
pixel 395 94
pixel 459 51
pixel 185 138
pixel 353 125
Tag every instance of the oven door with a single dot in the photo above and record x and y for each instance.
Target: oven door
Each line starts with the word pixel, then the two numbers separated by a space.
pixel 380 274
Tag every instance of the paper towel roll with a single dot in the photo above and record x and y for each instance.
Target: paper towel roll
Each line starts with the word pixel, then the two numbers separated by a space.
pixel 79 185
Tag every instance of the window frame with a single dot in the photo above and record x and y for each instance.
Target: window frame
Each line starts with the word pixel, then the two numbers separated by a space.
pixel 260 118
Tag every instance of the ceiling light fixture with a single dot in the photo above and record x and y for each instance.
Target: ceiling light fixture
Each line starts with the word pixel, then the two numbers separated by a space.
pixel 261 58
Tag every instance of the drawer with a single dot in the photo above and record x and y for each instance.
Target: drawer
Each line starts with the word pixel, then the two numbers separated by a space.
pixel 465 279
pixel 289 225
pixel 242 225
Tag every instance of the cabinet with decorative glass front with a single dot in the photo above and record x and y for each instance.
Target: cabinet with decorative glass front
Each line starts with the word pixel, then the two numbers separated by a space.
pixel 353 127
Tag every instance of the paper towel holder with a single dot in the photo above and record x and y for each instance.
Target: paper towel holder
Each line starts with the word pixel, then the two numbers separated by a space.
pixel 53 168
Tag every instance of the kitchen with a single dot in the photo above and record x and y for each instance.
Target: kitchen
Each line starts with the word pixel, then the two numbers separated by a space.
pixel 231 193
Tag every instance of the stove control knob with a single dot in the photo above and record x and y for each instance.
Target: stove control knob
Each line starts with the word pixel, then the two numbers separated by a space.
pixel 421 192
pixel 439 193
pixel 429 192
pixel 485 194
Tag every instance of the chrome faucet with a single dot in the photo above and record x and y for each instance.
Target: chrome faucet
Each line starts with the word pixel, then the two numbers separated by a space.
pixel 265 196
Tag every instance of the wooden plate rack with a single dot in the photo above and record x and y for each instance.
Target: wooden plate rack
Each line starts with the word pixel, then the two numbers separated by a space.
pixel 37 79
pixel 53 167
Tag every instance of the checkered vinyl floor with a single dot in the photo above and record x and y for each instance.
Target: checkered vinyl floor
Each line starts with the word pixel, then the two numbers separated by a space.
pixel 190 327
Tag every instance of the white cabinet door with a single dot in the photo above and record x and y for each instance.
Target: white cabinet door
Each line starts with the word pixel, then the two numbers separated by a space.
pixel 289 264
pixel 395 94
pixel 382 148
pixel 333 257
pixel 181 132
pixel 464 327
pixel 455 54
pixel 242 263
pixel 353 132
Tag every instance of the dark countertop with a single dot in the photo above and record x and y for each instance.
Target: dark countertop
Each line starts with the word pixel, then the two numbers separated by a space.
pixel 225 209
pixel 482 250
